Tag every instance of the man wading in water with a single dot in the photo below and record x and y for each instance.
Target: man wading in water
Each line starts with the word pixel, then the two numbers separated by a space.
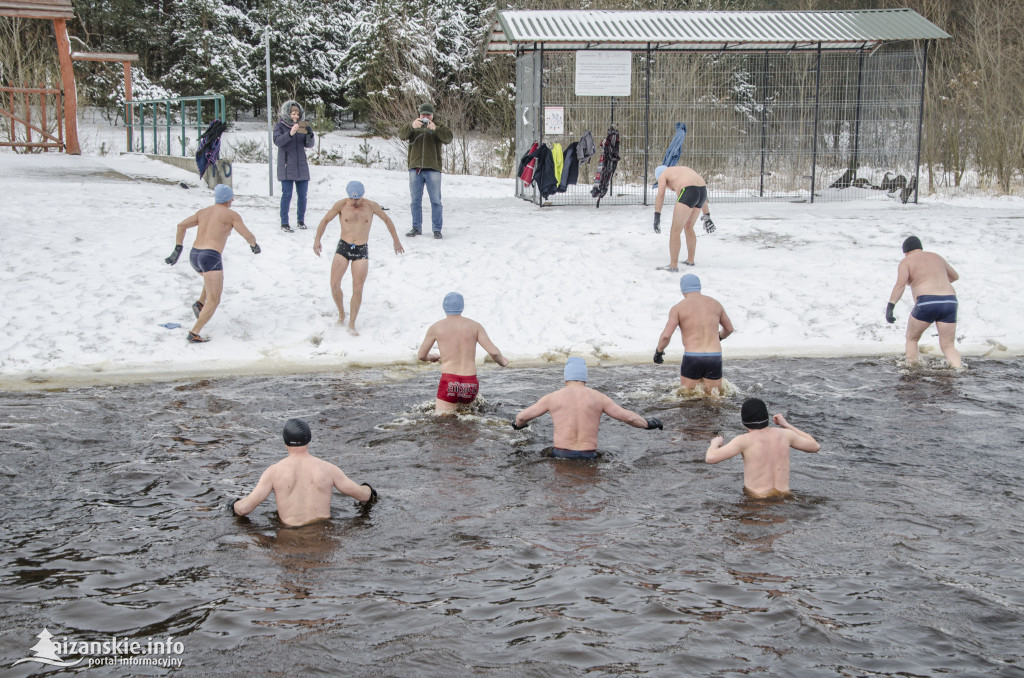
pixel 456 338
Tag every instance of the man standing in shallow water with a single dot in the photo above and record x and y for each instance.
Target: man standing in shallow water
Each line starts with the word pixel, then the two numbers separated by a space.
pixel 215 225
pixel 355 214
pixel 301 483
pixel 698 318
pixel 456 338
pixel 931 282
pixel 765 450
pixel 576 413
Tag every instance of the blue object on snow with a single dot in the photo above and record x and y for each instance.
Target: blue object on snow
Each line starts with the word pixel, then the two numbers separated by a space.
pixel 170 326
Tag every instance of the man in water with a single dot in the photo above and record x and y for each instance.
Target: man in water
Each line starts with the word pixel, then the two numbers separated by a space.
pixel 456 338
pixel 215 225
pixel 931 282
pixel 698 318
pixel 576 413
pixel 355 214
pixel 765 450
pixel 301 483
pixel 692 193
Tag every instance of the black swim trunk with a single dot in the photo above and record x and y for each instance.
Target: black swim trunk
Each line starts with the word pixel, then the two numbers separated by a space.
pixel 573 454
pixel 204 261
pixel 701 366
pixel 353 252
pixel 935 308
pixel 694 196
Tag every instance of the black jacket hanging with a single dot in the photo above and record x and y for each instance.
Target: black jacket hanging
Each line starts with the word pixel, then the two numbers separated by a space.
pixel 606 166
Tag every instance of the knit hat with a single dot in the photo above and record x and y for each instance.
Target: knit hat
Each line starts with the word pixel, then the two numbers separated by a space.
pixel 453 303
pixel 355 190
pixel 427 108
pixel 689 283
pixel 575 369
pixel 223 193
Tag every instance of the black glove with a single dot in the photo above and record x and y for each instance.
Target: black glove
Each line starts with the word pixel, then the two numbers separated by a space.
pixel 231 505
pixel 657 222
pixel 373 493
pixel 173 259
pixel 889 317
pixel 255 248
pixel 709 226
pixel 517 426
pixel 653 423
pixel 659 357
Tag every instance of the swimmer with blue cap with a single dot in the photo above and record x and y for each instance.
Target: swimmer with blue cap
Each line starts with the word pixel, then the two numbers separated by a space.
pixel 765 450
pixel 698 318
pixel 457 338
pixel 214 224
pixel 691 200
pixel 576 413
pixel 355 214
pixel 301 483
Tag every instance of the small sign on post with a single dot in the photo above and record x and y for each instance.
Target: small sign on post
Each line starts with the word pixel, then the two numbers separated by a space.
pixel 604 73
pixel 554 120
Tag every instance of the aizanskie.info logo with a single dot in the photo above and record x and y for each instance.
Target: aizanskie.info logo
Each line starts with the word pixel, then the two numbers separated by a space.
pixel 159 652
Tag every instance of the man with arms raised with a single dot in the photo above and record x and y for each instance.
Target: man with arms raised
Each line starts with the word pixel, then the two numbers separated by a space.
pixel 355 214
pixel 698 318
pixel 456 338
pixel 931 282
pixel 765 450
pixel 692 194
pixel 576 413
pixel 301 483
pixel 215 225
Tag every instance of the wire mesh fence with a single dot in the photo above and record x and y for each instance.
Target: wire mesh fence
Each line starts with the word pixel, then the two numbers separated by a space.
pixel 768 125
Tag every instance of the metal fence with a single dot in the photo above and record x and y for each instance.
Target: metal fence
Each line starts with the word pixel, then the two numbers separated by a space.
pixel 161 116
pixel 770 125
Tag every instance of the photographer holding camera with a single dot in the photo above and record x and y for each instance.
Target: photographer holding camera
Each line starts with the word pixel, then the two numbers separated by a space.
pixel 292 136
pixel 425 137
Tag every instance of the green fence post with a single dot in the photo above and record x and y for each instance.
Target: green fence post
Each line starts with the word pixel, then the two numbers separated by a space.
pixel 142 128
pixel 182 102
pixel 168 105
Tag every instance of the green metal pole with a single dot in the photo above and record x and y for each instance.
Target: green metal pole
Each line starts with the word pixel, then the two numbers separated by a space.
pixel 182 102
pixel 142 128
pixel 168 109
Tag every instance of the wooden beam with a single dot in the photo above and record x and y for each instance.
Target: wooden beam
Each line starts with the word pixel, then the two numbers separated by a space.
pixel 103 56
pixel 67 77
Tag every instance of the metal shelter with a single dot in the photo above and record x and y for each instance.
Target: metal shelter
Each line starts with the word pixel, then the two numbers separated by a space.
pixel 777 105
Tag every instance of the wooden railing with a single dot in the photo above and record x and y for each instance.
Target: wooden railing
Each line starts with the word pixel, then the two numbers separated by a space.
pixel 20 128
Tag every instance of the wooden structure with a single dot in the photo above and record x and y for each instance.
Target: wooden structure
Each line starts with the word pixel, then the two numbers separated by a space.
pixel 58 11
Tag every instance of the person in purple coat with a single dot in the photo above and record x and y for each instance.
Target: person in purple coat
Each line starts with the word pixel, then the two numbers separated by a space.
pixel 292 136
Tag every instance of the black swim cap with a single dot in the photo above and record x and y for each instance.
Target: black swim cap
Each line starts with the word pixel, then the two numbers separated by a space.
pixel 754 413
pixel 912 243
pixel 296 433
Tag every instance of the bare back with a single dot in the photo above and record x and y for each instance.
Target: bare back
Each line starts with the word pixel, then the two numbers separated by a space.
pixel 766 461
pixel 302 486
pixel 679 177
pixel 576 413
pixel 928 273
pixel 456 339
pixel 698 318
pixel 215 225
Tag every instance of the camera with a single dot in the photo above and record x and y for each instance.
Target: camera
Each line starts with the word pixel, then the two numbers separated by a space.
pixel 425 121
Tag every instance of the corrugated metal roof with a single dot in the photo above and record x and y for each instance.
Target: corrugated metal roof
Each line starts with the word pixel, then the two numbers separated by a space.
pixel 37 9
pixel 580 29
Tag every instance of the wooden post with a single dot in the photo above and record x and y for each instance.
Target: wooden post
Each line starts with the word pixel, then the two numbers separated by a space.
pixel 67 77
pixel 42 114
pixel 129 116
pixel 28 113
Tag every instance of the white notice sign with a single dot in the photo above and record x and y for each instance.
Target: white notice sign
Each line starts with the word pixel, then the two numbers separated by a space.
pixel 554 120
pixel 603 73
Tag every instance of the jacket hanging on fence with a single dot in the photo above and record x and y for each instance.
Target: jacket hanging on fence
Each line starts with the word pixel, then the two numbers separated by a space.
pixel 558 159
pixel 675 147
pixel 586 148
pixel 606 165
pixel 539 165
pixel 209 146
pixel 570 168
pixel 527 165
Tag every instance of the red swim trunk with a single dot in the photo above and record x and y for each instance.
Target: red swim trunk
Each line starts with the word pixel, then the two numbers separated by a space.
pixel 456 389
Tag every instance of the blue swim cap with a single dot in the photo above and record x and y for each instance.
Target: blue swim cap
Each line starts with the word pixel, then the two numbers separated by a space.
pixel 689 283
pixel 658 170
pixel 355 190
pixel 223 193
pixel 576 369
pixel 453 303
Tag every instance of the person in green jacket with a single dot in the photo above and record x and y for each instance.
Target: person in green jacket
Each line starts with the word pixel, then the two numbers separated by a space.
pixel 425 137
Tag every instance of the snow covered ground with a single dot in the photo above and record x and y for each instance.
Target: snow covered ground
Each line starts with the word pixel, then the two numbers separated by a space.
pixel 86 289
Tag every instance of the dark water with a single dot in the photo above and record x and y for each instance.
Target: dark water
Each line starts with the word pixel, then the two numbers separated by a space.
pixel 900 554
